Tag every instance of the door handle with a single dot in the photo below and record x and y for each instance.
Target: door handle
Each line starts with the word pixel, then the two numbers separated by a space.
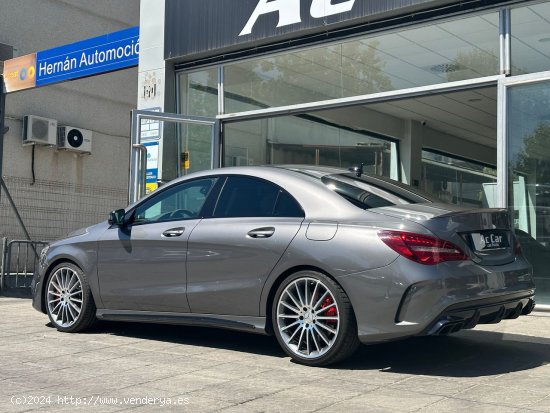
pixel 265 232
pixel 173 232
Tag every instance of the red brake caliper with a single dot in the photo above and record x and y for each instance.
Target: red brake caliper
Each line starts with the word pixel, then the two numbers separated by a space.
pixel 331 312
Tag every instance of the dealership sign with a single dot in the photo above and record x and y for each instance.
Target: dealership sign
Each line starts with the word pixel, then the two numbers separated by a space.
pixel 88 57
pixel 196 29
pixel 289 11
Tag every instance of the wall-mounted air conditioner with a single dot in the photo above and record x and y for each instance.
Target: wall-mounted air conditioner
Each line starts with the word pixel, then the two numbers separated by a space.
pixel 74 139
pixel 39 131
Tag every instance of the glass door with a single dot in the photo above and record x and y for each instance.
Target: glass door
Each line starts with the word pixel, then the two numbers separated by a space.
pixel 527 155
pixel 166 146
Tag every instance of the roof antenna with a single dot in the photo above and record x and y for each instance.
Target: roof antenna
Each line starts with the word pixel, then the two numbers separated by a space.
pixel 357 169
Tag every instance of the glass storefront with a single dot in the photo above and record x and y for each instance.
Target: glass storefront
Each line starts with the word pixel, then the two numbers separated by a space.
pixel 307 139
pixel 426 56
pixel 458 181
pixel 198 93
pixel 463 48
pixel 529 175
pixel 530 38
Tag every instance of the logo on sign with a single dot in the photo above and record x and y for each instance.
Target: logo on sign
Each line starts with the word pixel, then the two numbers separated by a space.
pixel 19 73
pixel 490 241
pixel 289 11
pixel 151 86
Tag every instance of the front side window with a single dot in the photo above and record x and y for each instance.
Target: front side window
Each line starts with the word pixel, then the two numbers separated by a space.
pixel 183 201
pixel 250 197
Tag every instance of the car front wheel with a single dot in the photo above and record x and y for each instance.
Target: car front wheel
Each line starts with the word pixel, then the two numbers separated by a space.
pixel 69 302
pixel 313 319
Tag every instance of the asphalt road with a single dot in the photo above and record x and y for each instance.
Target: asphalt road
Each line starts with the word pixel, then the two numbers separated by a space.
pixel 141 368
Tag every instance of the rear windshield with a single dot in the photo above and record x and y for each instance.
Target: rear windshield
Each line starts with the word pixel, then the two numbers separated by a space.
pixel 368 192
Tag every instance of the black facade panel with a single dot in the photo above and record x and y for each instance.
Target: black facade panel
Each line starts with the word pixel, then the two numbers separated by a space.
pixel 6 52
pixel 204 28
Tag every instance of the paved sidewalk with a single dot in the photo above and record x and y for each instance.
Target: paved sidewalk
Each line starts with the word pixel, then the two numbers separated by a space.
pixel 140 368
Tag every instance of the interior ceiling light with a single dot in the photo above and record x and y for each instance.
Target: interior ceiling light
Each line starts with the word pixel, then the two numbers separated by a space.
pixel 544 39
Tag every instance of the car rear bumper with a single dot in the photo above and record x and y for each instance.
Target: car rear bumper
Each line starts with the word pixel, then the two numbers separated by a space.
pixel 407 299
pixel 487 311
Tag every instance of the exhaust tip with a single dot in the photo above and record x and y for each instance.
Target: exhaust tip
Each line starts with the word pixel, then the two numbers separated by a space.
pixel 515 313
pixel 529 307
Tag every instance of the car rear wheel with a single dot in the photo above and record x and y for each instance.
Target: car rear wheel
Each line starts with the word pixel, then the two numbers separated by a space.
pixel 313 319
pixel 69 302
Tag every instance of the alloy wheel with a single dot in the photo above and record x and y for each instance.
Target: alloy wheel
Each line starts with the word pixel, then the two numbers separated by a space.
pixel 308 318
pixel 64 297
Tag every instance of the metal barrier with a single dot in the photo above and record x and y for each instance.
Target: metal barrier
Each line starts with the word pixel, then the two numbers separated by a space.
pixel 19 260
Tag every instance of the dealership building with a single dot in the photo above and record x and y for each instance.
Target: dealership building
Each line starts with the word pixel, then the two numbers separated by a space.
pixel 450 97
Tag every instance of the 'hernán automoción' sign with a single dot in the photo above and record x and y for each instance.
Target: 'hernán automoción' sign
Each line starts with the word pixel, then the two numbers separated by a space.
pixel 88 57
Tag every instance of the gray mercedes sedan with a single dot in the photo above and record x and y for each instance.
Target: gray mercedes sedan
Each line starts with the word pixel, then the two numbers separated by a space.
pixel 323 258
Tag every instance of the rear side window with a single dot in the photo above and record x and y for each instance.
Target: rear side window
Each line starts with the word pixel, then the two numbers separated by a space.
pixel 359 194
pixel 250 197
pixel 286 206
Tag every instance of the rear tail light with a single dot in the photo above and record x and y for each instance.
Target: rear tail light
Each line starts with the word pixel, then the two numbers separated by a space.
pixel 422 248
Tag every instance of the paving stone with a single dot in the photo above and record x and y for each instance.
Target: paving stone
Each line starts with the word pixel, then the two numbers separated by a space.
pixel 8 388
pixel 186 383
pixel 232 370
pixel 237 391
pixel 303 399
pixel 541 405
pixel 496 368
pixel 355 405
pixel 190 404
pixel 397 400
pixel 432 385
pixel 504 396
pixel 456 405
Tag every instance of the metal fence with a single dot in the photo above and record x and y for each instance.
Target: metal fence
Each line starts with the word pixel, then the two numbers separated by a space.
pixel 19 260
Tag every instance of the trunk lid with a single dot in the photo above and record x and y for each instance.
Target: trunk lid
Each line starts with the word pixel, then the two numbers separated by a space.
pixel 485 235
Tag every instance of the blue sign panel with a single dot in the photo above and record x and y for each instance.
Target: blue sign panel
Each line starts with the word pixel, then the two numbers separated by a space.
pixel 152 162
pixel 88 57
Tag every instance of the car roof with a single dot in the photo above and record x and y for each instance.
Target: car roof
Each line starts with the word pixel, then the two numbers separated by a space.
pixel 318 202
pixel 304 183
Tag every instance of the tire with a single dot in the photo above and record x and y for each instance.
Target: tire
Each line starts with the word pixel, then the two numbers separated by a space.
pixel 303 335
pixel 69 302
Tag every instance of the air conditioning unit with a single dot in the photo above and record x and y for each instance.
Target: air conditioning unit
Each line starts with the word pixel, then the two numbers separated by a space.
pixel 39 131
pixel 74 139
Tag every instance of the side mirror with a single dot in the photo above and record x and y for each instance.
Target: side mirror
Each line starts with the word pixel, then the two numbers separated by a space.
pixel 117 217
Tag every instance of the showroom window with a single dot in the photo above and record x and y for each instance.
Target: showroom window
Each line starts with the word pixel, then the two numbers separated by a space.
pixel 463 48
pixel 308 139
pixel 198 92
pixel 529 175
pixel 458 181
pixel 530 38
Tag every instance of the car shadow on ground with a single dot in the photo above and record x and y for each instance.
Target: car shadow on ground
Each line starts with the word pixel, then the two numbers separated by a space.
pixel 469 353
pixel 472 353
